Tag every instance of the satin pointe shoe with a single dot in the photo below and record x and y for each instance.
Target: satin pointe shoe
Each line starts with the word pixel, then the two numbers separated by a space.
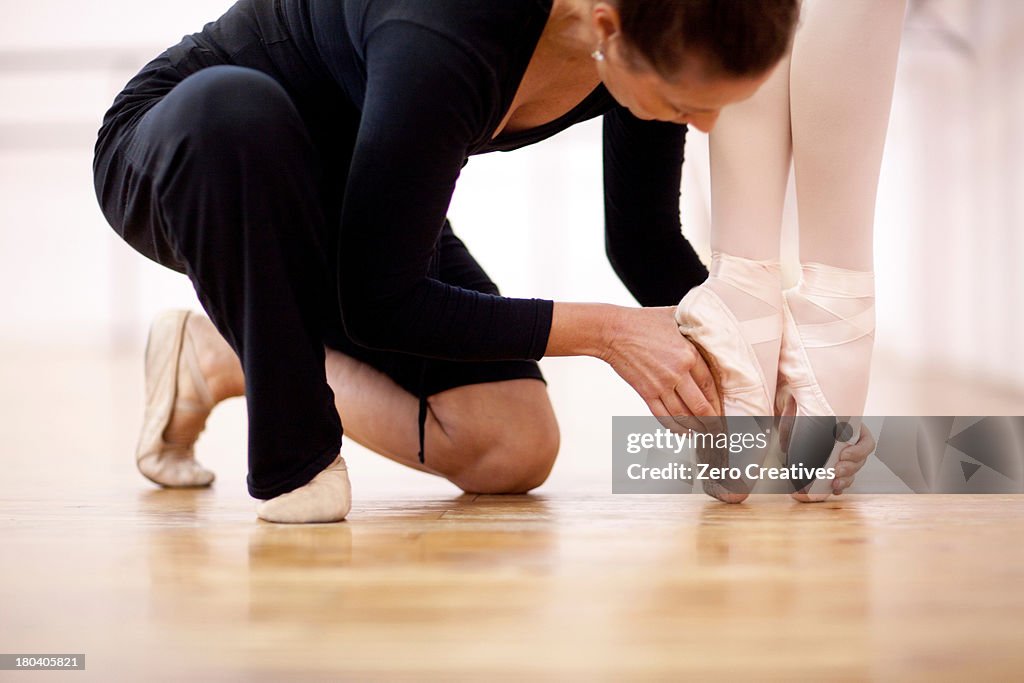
pixel 170 353
pixel 326 498
pixel 824 363
pixel 734 319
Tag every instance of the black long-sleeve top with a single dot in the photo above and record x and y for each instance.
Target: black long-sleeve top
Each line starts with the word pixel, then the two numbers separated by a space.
pixel 433 79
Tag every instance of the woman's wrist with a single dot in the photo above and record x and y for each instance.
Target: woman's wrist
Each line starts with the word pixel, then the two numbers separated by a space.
pixel 582 329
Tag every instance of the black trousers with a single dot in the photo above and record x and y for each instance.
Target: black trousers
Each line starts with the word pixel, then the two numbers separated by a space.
pixel 226 162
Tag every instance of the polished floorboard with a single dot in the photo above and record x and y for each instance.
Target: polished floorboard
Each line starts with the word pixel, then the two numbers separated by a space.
pixel 422 583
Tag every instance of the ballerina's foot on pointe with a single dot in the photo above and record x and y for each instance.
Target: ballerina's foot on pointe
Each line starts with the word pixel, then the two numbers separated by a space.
pixel 735 320
pixel 824 365
pixel 326 498
pixel 189 369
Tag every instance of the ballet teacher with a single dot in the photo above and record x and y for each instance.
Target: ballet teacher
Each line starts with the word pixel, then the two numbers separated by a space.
pixel 295 159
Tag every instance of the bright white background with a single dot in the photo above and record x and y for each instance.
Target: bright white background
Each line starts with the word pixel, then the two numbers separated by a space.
pixel 949 238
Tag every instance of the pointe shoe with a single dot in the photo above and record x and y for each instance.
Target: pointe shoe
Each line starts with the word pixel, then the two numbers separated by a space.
pixel 729 344
pixel 821 426
pixel 171 463
pixel 735 347
pixel 326 498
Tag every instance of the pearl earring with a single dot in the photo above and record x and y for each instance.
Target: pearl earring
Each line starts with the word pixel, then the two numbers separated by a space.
pixel 597 55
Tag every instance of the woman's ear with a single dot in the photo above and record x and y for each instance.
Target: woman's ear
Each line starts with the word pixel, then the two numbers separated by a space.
pixel 607 23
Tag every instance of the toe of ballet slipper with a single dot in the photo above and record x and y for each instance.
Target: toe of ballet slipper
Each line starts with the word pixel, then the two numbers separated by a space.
pixel 174 472
pixel 326 498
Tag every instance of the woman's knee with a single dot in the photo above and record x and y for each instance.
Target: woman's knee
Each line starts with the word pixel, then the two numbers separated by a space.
pixel 509 468
pixel 224 107
pixel 512 455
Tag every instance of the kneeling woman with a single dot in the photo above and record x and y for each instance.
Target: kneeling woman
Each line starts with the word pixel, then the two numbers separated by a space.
pixel 296 159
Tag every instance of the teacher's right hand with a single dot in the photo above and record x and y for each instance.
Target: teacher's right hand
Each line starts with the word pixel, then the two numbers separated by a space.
pixel 645 348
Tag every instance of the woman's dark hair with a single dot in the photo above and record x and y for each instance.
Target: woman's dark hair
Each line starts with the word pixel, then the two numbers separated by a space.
pixel 734 37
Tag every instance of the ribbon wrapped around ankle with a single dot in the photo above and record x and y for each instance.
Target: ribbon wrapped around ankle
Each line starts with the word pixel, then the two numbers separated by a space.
pixel 821 285
pixel 753 278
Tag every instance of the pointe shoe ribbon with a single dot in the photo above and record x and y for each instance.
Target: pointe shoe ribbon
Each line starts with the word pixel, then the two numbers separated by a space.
pixel 819 433
pixel 726 342
pixel 825 287
pixel 171 463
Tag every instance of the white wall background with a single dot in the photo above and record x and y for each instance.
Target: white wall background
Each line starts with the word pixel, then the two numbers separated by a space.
pixel 950 215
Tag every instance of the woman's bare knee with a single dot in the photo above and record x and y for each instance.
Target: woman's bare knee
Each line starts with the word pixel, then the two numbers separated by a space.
pixel 511 467
pixel 500 438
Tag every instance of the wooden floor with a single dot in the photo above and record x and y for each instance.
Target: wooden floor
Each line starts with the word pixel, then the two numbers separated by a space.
pixel 572 583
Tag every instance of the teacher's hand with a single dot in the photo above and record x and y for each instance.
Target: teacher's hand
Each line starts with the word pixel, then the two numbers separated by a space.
pixel 645 348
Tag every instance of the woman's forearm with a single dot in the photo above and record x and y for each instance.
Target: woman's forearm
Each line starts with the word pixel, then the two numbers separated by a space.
pixel 581 329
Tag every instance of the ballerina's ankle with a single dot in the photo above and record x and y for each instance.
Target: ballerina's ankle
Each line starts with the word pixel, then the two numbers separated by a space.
pixel 833 314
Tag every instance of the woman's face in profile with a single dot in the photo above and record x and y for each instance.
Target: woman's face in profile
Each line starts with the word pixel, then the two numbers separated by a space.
pixel 692 96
